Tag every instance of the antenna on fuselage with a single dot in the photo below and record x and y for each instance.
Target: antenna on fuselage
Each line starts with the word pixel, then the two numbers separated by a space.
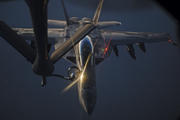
pixel 65 13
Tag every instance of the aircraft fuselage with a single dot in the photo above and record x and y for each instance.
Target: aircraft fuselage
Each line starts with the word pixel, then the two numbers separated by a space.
pixel 87 83
pixel 85 60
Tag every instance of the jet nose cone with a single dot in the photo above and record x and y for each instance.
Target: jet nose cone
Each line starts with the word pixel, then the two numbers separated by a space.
pixel 87 93
pixel 90 108
pixel 89 100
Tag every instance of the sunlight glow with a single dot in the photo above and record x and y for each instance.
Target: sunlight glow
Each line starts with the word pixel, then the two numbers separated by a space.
pixel 81 76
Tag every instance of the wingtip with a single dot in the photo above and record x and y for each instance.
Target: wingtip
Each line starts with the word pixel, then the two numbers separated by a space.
pixel 118 22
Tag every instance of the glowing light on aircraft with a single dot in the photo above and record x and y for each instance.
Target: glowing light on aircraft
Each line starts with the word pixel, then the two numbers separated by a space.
pixel 170 41
pixel 80 77
pixel 106 46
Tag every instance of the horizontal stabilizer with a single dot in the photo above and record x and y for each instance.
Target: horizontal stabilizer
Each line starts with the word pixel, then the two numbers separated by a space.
pixel 58 23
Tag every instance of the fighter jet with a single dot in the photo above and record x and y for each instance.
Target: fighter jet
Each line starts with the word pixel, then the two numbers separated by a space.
pixel 85 43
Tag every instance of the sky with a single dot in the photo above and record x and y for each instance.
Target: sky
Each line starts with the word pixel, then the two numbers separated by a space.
pixel 145 89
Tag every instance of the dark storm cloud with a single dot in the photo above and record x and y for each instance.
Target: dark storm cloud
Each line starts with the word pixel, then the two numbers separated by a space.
pixel 115 5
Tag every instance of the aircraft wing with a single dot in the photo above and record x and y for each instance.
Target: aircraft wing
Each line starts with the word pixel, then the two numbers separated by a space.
pixel 55 36
pixel 112 39
pixel 28 33
pixel 124 38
